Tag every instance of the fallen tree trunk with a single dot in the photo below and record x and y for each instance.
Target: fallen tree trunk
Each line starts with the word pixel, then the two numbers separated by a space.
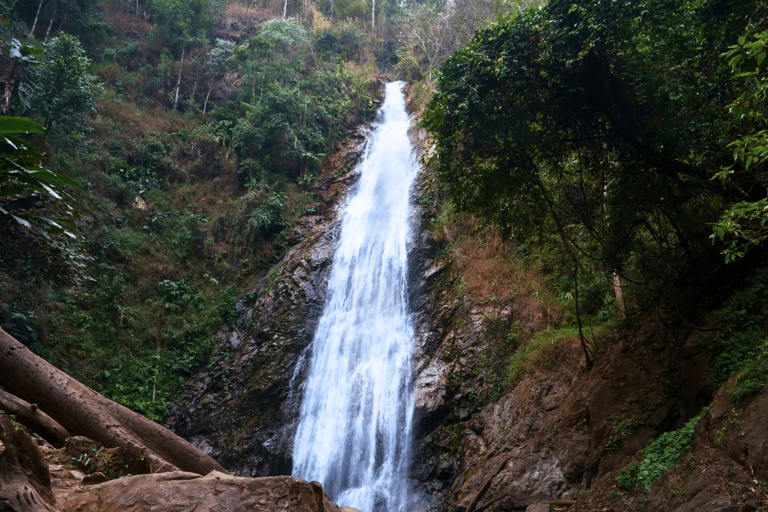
pixel 33 418
pixel 85 412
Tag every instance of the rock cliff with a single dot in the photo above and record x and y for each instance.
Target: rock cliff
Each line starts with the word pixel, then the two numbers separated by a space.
pixel 242 409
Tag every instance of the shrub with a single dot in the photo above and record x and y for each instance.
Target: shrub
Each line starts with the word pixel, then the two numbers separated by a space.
pixel 742 340
pixel 660 455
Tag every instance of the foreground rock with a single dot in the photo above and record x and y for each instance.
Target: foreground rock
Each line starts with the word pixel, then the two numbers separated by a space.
pixel 215 492
pixel 25 483
pixel 35 477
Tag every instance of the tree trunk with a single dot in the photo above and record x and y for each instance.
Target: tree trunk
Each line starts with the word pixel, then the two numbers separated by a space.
pixel 192 95
pixel 373 15
pixel 50 24
pixel 619 294
pixel 178 81
pixel 285 8
pixel 85 412
pixel 24 477
pixel 207 95
pixel 587 358
pixel 37 15
pixel 33 418
pixel 10 69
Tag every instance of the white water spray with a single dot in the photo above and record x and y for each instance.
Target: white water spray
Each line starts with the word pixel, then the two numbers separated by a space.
pixel 354 431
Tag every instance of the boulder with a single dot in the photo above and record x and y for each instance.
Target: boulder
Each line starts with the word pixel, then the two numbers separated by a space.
pixel 25 482
pixel 215 492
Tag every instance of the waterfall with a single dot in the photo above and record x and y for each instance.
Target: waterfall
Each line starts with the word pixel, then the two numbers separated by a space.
pixel 354 429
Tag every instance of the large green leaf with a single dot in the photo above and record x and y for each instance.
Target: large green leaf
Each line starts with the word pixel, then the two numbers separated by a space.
pixel 10 124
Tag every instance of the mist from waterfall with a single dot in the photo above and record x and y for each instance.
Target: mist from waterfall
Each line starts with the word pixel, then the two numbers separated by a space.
pixel 354 432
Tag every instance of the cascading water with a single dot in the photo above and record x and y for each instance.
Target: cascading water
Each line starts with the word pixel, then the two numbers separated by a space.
pixel 354 431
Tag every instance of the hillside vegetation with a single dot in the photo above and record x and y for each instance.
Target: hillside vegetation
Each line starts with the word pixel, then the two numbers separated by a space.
pixel 194 144
pixel 182 140
pixel 598 163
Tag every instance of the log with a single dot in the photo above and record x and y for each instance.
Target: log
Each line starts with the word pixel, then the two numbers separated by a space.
pixel 33 418
pixel 83 411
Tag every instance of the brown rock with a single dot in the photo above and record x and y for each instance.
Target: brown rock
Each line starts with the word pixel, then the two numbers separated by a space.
pixel 95 478
pixel 24 477
pixel 215 492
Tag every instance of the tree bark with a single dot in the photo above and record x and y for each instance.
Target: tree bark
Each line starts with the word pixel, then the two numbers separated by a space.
pixel 178 81
pixel 619 294
pixel 85 412
pixel 37 15
pixel 10 69
pixel 207 95
pixel 32 417
pixel 192 94
pixel 50 24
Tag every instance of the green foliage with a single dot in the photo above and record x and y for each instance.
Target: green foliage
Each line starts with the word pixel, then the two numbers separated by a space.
pixel 19 325
pixel 659 456
pixel 743 225
pixel 178 294
pixel 25 184
pixel 743 318
pixel 345 42
pixel 590 125
pixel 227 303
pixel 190 240
pixel 185 22
pixel 752 376
pixel 501 344
pixel 741 346
pixel 61 87
pixel 290 113
pixel 172 233
pixel 134 359
pixel 268 219
pixel 282 35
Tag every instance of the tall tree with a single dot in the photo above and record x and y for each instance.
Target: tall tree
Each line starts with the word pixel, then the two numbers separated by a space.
pixel 186 23
pixel 61 86
pixel 594 121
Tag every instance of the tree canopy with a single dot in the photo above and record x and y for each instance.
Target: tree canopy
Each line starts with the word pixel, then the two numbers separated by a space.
pixel 61 85
pixel 600 121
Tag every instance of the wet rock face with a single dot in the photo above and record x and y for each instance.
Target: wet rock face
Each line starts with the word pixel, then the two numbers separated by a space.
pixel 243 408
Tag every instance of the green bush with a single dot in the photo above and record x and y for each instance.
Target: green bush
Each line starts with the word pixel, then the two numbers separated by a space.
pixel 660 455
pixel 754 373
pixel 226 308
pixel 743 318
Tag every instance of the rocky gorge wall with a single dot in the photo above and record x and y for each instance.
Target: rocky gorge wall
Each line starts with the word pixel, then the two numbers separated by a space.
pixel 560 436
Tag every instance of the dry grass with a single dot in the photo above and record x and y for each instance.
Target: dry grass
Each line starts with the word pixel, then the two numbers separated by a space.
pixel 240 20
pixel 487 270
pixel 320 22
pixel 125 23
